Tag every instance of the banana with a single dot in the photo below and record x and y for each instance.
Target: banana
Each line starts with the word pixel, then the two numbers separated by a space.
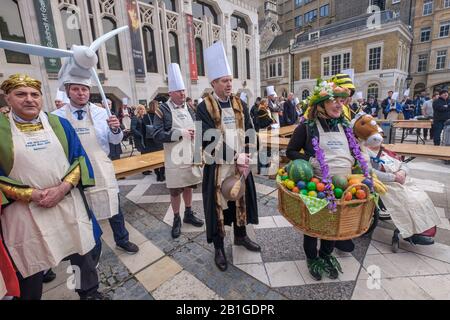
pixel 355 176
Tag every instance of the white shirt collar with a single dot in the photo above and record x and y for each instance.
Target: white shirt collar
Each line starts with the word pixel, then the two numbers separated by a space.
pixel 220 100
pixel 73 109
pixel 20 120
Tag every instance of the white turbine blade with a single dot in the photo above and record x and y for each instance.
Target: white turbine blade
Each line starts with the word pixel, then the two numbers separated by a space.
pixel 35 49
pixel 97 43
pixel 102 93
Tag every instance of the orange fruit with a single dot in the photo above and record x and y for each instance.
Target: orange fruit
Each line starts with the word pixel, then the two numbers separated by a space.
pixel 315 180
pixel 361 194
pixel 348 196
pixel 295 190
pixel 320 187
pixel 354 181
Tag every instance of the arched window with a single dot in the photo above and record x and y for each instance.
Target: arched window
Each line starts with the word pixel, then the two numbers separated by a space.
pixel 247 59
pixel 305 94
pixel 235 63
pixel 112 45
pixel 11 29
pixel 199 55
pixel 150 51
pixel 170 5
pixel 173 45
pixel 70 19
pixel 238 22
pixel 200 9
pixel 372 90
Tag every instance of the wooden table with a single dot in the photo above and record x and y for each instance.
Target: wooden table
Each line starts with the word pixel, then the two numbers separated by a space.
pixel 268 140
pixel 426 151
pixel 283 132
pixel 129 166
pixel 407 125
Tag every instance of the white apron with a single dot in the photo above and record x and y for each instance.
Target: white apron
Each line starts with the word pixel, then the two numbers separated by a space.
pixel 337 152
pixel 39 238
pixel 178 156
pixel 103 197
pixel 231 139
pixel 411 209
pixel 2 287
pixel 126 120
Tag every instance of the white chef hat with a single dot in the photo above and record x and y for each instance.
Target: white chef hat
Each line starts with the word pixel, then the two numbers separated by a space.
pixel 216 62
pixel 176 82
pixel 71 73
pixel 271 91
pixel 61 96
pixel 243 97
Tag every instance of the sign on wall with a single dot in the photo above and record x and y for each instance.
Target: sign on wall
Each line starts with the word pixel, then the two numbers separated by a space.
pixel 191 47
pixel 135 33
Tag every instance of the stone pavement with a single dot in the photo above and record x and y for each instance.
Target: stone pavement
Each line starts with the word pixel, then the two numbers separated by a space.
pixel 184 268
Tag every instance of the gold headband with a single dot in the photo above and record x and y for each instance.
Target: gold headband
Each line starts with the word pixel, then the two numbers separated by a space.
pixel 20 80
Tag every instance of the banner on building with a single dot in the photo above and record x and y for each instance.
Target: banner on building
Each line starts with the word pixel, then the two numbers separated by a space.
pixel 135 34
pixel 191 47
pixel 47 32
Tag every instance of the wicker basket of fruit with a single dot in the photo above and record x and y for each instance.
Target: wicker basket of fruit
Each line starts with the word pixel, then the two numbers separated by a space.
pixel 302 201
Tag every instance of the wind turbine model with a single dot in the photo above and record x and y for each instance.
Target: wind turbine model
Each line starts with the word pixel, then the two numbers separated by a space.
pixel 81 60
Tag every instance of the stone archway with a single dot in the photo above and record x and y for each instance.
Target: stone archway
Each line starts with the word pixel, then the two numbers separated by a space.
pixel 418 88
pixel 441 86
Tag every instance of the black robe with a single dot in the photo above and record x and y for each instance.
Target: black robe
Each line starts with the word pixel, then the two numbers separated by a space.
pixel 208 186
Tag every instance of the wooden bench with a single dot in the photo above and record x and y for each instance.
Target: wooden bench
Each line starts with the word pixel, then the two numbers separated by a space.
pixel 129 166
pixel 426 151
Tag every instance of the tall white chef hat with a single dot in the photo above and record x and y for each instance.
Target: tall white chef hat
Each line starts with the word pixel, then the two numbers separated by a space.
pixel 176 82
pixel 271 91
pixel 216 62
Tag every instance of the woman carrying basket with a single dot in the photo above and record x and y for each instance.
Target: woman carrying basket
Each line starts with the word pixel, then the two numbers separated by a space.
pixel 324 136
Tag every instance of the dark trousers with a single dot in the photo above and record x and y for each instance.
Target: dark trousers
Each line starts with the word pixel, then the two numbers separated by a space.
pixel 239 232
pixel 117 223
pixel 31 287
pixel 438 126
pixel 310 247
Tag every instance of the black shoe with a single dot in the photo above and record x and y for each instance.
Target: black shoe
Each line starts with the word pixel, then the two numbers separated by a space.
pixel 49 276
pixel 189 217
pixel 332 266
pixel 176 227
pixel 316 268
pixel 95 296
pixel 163 177
pixel 420 240
pixel 345 245
pixel 146 173
pixel 220 259
pixel 247 243
pixel 129 247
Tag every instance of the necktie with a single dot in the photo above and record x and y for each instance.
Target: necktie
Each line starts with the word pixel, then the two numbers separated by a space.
pixel 79 114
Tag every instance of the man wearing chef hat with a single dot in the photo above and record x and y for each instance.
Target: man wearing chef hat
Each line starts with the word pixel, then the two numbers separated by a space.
pixel 60 99
pixel 96 132
pixel 274 106
pixel 227 159
pixel 174 126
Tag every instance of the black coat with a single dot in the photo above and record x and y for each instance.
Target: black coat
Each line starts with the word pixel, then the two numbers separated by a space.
pixel 138 128
pixel 441 110
pixel 289 113
pixel 208 187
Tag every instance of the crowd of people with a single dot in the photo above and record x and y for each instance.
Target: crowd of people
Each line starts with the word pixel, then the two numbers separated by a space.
pixel 57 179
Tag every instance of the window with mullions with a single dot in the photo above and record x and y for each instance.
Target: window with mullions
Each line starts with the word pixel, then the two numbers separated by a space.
pixel 238 22
pixel 298 21
pixel 199 55
pixel 336 64
pixel 372 90
pixel 200 9
pixel 11 29
pixel 112 46
pixel 326 66
pixel 247 59
pixel 305 69
pixel 149 49
pixel 72 35
pixel 325 10
pixel 346 62
pixel 173 48
pixel 427 7
pixel 441 57
pixel 422 63
pixel 425 34
pixel 375 58
pixel 444 29
pixel 446 3
pixel 235 62
pixel 310 16
pixel 298 3
pixel 305 94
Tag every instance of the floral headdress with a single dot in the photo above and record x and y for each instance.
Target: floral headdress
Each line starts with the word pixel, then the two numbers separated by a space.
pixel 326 90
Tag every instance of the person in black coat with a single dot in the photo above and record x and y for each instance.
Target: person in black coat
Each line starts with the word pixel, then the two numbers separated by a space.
pixel 265 121
pixel 441 113
pixel 144 143
pixel 290 115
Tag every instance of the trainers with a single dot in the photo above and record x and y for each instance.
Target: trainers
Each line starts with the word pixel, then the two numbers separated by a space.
pixel 189 217
pixel 176 227
pixel 129 247
pixel 95 296
pixel 316 268
pixel 332 266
